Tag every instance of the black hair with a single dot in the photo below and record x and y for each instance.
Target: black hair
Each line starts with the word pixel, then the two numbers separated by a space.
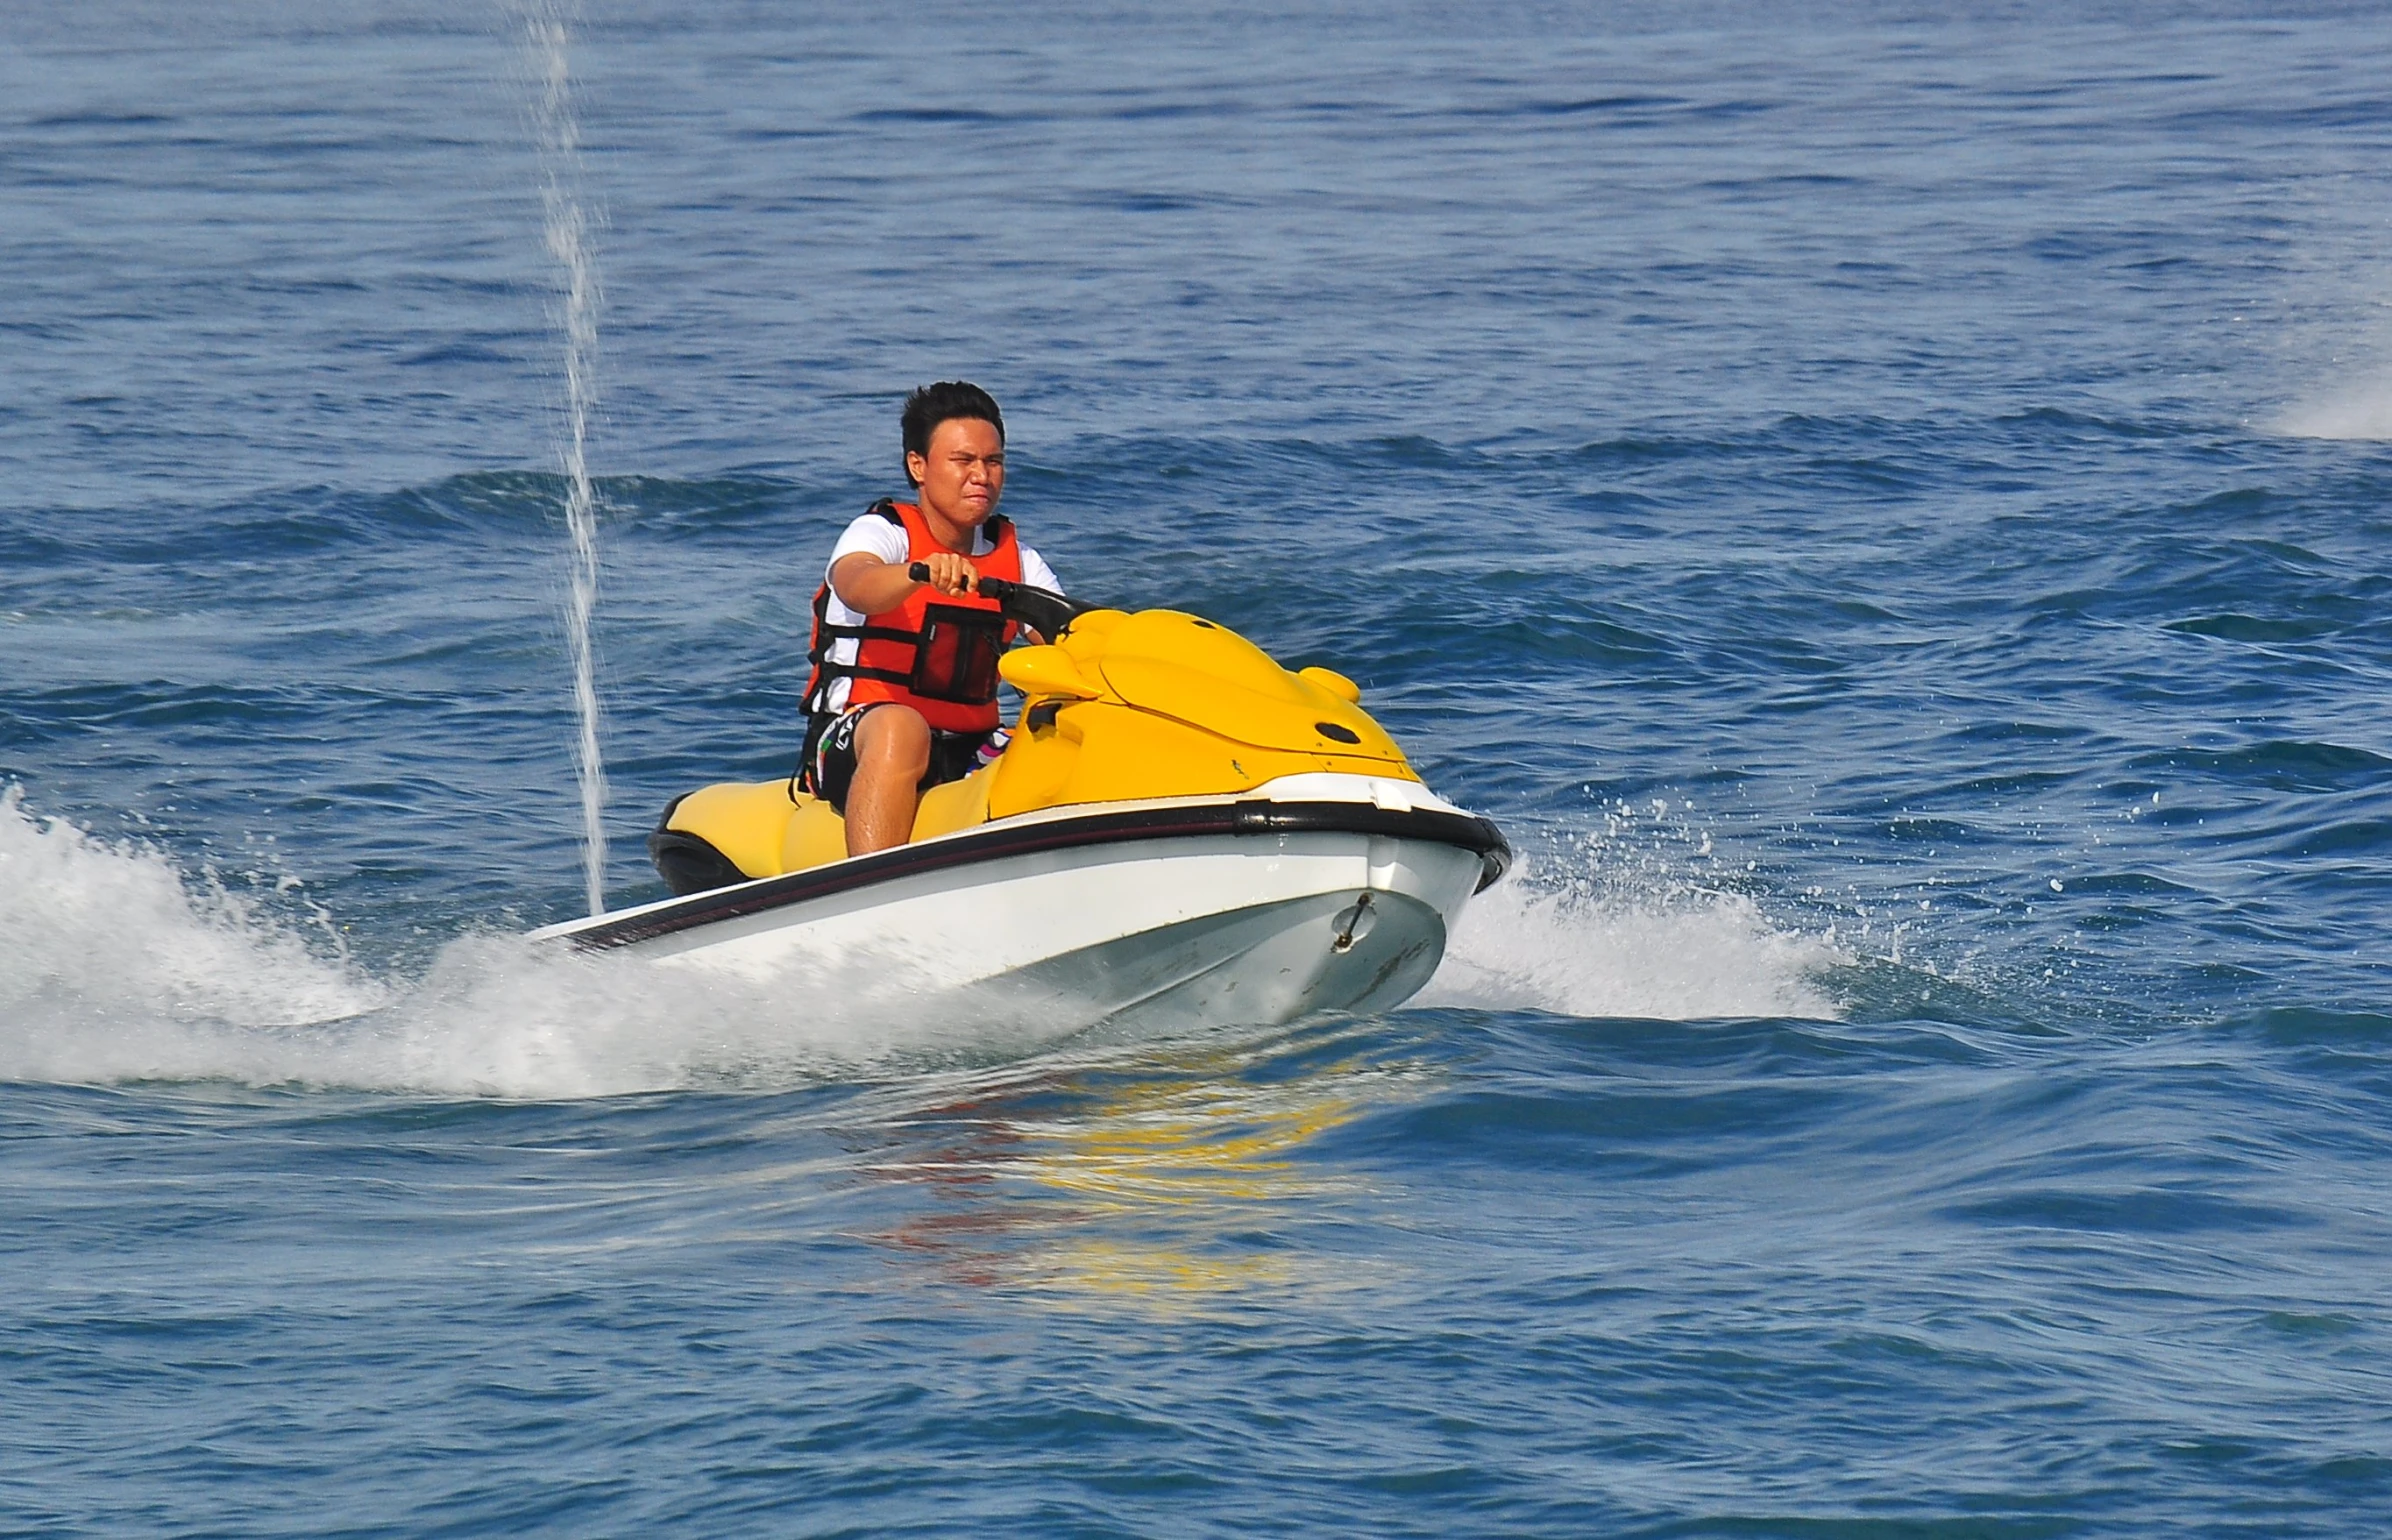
pixel 931 405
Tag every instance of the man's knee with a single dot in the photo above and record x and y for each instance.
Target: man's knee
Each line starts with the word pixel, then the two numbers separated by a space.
pixel 893 738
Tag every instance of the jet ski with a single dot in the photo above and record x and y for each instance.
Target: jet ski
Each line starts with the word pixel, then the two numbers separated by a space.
pixel 1178 829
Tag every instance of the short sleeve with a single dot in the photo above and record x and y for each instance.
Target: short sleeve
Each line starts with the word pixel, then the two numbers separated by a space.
pixel 872 535
pixel 1038 574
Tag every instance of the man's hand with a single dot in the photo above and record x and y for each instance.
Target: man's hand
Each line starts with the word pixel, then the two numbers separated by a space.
pixel 950 573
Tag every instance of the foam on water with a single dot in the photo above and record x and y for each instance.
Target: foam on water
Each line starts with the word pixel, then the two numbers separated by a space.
pixel 501 1016
pixel 117 966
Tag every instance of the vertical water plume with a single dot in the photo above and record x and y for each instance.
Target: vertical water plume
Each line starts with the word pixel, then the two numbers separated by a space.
pixel 568 234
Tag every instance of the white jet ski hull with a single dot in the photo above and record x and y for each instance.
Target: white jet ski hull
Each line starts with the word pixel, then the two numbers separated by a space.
pixel 1324 893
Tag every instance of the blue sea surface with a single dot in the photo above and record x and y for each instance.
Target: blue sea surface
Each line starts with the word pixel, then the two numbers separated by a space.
pixel 1890 507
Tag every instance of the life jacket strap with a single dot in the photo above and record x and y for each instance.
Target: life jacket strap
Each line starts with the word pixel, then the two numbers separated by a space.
pixel 828 633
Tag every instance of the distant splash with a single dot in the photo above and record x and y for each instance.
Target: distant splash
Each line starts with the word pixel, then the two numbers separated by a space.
pixel 117 966
pixel 2362 412
pixel 567 230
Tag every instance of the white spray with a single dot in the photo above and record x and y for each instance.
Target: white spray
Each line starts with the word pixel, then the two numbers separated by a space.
pixel 568 241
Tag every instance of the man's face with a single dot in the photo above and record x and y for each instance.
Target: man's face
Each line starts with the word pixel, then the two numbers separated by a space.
pixel 964 472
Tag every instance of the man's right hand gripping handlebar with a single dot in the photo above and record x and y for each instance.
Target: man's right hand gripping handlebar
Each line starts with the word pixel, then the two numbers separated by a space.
pixel 946 572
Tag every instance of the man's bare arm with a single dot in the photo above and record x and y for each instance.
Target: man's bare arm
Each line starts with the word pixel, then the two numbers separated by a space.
pixel 870 586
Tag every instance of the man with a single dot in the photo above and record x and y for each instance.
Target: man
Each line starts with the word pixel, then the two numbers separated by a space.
pixel 904 692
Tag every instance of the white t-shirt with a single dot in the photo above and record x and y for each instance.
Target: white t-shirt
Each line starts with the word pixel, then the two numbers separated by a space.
pixel 873 534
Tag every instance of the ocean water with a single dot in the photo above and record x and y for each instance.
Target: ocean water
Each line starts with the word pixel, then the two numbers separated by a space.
pixel 1889 506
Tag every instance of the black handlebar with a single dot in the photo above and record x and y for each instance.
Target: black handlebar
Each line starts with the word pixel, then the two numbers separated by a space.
pixel 1048 614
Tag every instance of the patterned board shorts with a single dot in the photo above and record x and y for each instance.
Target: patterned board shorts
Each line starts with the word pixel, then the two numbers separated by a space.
pixel 952 756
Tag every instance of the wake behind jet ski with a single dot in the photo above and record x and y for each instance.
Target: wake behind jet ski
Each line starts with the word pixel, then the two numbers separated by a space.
pixel 1179 828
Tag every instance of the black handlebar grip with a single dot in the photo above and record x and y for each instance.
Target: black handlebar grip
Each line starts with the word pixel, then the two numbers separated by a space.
pixel 990 587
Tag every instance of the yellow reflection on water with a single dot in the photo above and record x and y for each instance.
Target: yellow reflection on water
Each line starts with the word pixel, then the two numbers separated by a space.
pixel 1172 1181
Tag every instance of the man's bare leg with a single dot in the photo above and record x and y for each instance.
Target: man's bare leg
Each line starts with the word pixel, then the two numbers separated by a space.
pixel 892 754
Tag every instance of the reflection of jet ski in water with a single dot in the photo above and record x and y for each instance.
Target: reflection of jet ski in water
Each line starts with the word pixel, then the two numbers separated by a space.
pixel 1178 827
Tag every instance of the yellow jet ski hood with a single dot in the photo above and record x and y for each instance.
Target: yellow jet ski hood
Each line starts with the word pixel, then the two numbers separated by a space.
pixel 1194 671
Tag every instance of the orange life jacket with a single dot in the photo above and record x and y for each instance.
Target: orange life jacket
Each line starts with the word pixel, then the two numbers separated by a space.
pixel 935 652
